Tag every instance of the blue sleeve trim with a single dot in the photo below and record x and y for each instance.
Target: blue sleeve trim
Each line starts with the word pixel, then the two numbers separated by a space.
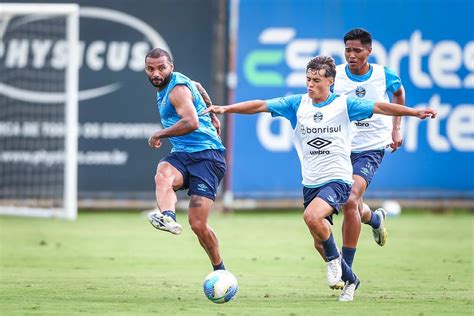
pixel 393 81
pixel 285 107
pixel 360 109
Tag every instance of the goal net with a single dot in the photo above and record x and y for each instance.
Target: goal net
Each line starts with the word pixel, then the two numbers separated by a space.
pixel 39 66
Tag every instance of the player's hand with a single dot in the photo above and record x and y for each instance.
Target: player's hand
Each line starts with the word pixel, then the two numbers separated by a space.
pixel 428 112
pixel 397 140
pixel 217 124
pixel 214 109
pixel 154 141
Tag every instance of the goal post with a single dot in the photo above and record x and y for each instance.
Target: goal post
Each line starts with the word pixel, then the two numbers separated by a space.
pixel 39 79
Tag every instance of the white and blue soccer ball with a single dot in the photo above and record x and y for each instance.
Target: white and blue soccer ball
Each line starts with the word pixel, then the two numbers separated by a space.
pixel 392 207
pixel 220 286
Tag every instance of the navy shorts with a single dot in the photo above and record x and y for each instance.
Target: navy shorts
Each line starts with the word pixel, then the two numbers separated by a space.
pixel 334 193
pixel 366 163
pixel 202 171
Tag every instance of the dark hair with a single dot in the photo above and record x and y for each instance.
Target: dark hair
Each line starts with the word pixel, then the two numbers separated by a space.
pixel 323 62
pixel 157 53
pixel 362 35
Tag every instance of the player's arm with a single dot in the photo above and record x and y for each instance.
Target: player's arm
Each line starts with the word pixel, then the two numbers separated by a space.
pixel 393 109
pixel 397 139
pixel 207 99
pixel 182 100
pixel 205 96
pixel 395 87
pixel 247 107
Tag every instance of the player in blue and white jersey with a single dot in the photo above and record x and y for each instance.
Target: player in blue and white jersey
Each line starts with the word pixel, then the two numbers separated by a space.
pixel 196 161
pixel 321 123
pixel 359 79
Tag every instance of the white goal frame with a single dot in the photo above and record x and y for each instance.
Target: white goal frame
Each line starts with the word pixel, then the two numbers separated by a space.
pixel 71 13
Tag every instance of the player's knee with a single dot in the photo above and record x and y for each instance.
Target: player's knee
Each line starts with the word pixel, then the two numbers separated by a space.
pixel 351 208
pixel 308 217
pixel 312 219
pixel 199 227
pixel 161 180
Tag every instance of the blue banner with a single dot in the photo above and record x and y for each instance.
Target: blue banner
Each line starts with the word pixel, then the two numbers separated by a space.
pixel 429 44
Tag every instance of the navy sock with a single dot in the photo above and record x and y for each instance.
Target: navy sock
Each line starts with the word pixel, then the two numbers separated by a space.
pixel 348 255
pixel 219 266
pixel 330 249
pixel 347 274
pixel 170 214
pixel 374 221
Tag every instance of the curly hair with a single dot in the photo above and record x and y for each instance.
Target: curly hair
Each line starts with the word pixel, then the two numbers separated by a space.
pixel 323 62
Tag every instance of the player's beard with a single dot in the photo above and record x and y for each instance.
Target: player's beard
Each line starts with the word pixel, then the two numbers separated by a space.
pixel 163 84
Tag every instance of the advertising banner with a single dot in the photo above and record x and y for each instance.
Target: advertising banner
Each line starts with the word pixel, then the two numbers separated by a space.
pixel 117 109
pixel 434 58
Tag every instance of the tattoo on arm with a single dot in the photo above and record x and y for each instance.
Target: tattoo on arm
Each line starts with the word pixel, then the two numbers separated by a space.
pixel 204 94
pixel 186 124
pixel 196 201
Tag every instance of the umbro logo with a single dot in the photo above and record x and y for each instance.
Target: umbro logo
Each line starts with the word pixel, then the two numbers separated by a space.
pixel 332 198
pixel 364 171
pixel 202 187
pixel 319 143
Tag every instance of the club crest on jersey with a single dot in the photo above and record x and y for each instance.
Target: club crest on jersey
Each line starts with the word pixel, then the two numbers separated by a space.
pixel 318 117
pixel 360 92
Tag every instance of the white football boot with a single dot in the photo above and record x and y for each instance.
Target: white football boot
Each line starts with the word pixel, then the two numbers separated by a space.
pixel 340 284
pixel 347 294
pixel 164 222
pixel 380 234
pixel 334 272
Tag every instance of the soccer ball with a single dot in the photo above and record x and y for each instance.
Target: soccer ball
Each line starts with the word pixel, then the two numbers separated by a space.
pixel 393 208
pixel 220 286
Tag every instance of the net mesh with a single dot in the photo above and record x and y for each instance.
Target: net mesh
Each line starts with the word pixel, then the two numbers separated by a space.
pixel 33 60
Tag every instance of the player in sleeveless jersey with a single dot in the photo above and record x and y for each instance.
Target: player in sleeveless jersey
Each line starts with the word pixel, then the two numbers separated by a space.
pixel 322 133
pixel 359 79
pixel 196 161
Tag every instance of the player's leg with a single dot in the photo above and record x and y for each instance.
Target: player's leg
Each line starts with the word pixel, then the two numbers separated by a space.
pixel 350 234
pixel 199 208
pixel 315 218
pixel 365 165
pixel 376 220
pixel 351 223
pixel 365 213
pixel 206 170
pixel 318 245
pixel 320 204
pixel 168 179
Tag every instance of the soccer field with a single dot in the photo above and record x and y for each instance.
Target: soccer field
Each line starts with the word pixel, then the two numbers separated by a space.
pixel 117 264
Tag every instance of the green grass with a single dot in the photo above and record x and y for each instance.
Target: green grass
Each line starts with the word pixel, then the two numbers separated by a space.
pixel 117 264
